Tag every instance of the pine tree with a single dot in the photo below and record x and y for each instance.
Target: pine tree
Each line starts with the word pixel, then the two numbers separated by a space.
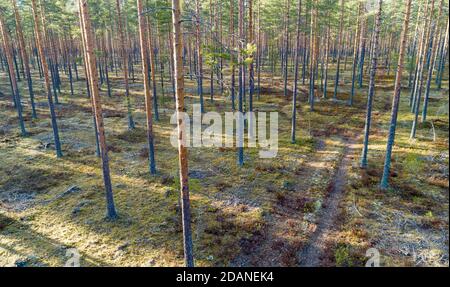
pixel 297 60
pixel 373 72
pixel 339 51
pixel 146 78
pixel 15 88
pixel 40 42
pixel 286 47
pixel 125 59
pixel 86 30
pixel 25 59
pixel 356 52
pixel 434 43
pixel 240 127
pixel 418 87
pixel 199 55
pixel 396 98
pixel 182 150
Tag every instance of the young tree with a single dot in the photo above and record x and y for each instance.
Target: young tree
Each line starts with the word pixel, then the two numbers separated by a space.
pixel 396 98
pixel 182 150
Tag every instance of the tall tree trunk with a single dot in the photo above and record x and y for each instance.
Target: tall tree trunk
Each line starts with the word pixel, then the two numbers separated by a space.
pixel 373 72
pixel 15 88
pixel 199 55
pixel 182 150
pixel 286 48
pixel 40 42
pixel 241 81
pixel 442 60
pixel 339 51
pixel 124 55
pixel 251 66
pixel 396 99
pixel 146 77
pixel 259 51
pixel 362 51
pixel 314 48
pixel 355 52
pixel 88 90
pixel 297 60
pixel 68 53
pixel 435 27
pixel 422 20
pixel 212 47
pixel 327 55
pixel 413 49
pixel 25 60
pixel 417 93
pixel 232 44
pixel 86 29
pixel 153 70
pixel 105 63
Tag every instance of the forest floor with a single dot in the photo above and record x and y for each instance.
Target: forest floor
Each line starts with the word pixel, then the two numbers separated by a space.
pixel 311 205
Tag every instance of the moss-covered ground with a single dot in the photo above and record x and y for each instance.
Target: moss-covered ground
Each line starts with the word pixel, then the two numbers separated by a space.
pixel 261 214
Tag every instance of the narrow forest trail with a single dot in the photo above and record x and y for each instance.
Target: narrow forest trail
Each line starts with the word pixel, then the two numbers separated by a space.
pixel 286 229
pixel 300 229
pixel 312 253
